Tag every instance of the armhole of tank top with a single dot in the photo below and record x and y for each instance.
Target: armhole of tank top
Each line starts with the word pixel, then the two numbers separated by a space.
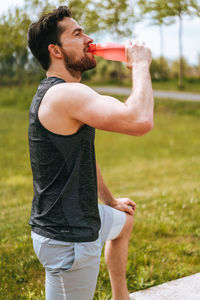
pixel 57 134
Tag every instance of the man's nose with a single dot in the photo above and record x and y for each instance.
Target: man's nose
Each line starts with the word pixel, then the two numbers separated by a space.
pixel 88 40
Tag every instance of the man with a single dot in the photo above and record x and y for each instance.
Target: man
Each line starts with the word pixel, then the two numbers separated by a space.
pixel 68 227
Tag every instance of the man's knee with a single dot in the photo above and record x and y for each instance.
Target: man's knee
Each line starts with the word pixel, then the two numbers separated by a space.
pixel 129 222
pixel 128 226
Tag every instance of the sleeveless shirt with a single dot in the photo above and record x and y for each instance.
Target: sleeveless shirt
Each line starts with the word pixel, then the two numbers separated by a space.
pixel 65 202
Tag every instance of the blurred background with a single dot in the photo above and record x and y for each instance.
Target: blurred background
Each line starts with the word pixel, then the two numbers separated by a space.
pixel 160 171
pixel 169 28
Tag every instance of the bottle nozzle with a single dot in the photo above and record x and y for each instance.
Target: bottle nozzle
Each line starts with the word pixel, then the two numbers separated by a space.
pixel 92 48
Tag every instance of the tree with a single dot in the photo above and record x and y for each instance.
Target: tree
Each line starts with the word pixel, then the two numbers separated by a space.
pixel 116 19
pixel 36 8
pixel 16 60
pixel 180 8
pixel 95 16
pixel 83 11
pixel 175 65
pixel 198 66
pixel 103 18
pixel 13 51
pixel 167 11
pixel 156 10
pixel 155 69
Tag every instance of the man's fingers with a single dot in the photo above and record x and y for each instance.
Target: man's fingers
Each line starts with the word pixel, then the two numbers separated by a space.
pixel 129 210
pixel 131 207
pixel 127 205
pixel 135 42
pixel 132 204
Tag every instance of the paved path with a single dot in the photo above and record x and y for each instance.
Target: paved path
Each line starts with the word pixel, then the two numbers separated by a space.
pixel 159 94
pixel 186 288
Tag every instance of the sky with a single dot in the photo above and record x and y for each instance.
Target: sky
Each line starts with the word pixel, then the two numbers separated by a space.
pixel 150 35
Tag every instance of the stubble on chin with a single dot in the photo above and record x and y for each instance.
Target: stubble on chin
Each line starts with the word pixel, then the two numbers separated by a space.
pixel 74 65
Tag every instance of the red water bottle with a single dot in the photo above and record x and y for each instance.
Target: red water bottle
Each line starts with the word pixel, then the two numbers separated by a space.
pixel 111 51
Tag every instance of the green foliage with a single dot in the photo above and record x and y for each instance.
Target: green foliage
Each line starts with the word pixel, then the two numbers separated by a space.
pixel 16 63
pixel 20 97
pixel 13 51
pixel 161 11
pixel 159 171
pixel 37 8
pixel 176 8
pixel 157 11
pixel 108 71
pixel 165 12
pixel 183 7
pixel 13 28
pixel 175 67
pixel 116 17
pixel 159 69
pixel 85 12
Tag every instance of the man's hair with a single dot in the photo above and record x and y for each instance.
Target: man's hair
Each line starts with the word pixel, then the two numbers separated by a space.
pixel 46 31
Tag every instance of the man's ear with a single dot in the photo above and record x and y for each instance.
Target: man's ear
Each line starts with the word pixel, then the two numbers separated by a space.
pixel 55 50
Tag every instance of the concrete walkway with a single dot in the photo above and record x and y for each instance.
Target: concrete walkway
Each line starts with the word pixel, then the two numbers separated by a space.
pixel 125 91
pixel 186 288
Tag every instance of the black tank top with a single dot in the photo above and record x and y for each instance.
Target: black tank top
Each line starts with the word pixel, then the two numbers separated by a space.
pixel 65 204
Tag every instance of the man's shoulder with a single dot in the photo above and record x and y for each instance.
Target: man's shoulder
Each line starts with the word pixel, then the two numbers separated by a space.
pixel 70 86
pixel 66 95
pixel 68 90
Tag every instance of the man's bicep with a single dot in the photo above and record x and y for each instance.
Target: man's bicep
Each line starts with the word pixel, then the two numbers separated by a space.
pixel 102 112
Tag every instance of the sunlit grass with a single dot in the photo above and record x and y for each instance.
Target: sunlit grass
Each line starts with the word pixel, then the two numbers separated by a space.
pixel 159 171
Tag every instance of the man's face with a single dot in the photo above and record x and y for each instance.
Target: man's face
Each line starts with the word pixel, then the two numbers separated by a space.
pixel 75 44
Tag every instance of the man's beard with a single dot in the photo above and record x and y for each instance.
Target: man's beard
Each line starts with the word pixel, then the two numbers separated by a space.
pixel 75 66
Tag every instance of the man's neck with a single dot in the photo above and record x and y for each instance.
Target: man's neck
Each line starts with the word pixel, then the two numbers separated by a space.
pixel 67 76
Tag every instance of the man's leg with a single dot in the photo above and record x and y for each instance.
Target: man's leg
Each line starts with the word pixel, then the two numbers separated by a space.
pixel 116 255
pixel 71 268
pixel 78 284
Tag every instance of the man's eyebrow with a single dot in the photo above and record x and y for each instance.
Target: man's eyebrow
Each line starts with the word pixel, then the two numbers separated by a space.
pixel 77 29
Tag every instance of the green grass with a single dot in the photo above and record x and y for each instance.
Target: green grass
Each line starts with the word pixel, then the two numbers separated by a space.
pixel 159 171
pixel 172 85
pixel 192 86
pixel 17 96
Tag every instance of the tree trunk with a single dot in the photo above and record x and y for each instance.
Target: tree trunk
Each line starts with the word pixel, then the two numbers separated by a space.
pixel 181 68
pixel 161 51
pixel 118 64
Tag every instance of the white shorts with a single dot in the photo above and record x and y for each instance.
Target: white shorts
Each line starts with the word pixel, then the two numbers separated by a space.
pixel 72 268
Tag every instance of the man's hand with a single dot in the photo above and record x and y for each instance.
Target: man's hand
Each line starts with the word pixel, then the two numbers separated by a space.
pixel 126 205
pixel 137 53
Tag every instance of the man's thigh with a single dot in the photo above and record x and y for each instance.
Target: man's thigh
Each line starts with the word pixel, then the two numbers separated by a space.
pixel 112 223
pixel 71 268
pixel 72 285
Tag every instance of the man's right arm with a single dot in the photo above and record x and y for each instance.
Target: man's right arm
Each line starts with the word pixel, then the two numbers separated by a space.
pixel 134 117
